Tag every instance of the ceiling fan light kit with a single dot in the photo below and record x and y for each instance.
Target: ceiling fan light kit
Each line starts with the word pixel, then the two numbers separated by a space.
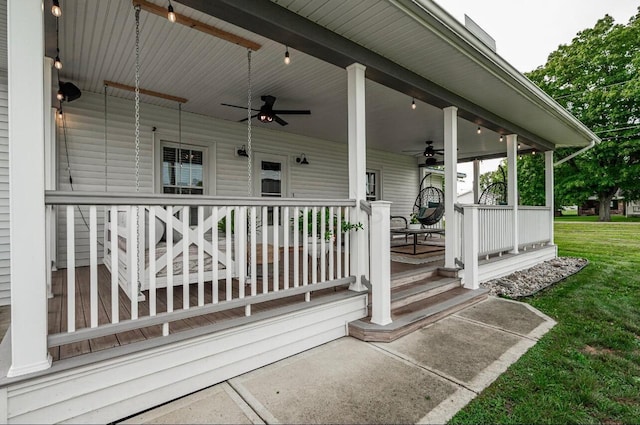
pixel 267 114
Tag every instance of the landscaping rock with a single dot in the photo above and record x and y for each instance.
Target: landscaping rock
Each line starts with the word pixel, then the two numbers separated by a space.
pixel 527 282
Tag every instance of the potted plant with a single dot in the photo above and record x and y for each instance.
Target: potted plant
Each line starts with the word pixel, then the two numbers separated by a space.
pixel 330 226
pixel 414 223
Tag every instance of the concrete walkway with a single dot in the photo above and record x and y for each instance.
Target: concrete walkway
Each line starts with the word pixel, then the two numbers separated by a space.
pixel 424 377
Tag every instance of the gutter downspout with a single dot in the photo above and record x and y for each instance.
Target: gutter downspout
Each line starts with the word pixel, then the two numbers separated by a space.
pixel 573 155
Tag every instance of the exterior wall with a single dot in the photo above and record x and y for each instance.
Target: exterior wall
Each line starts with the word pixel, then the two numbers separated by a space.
pixel 5 275
pixel 82 136
pixel 633 209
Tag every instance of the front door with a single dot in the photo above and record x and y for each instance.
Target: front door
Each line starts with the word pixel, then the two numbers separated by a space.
pixel 271 181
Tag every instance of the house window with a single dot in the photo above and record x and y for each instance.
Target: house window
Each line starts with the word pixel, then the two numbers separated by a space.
pixel 183 173
pixel 373 185
pixel 182 170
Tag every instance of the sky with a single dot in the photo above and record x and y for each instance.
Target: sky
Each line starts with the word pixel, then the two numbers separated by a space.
pixel 527 31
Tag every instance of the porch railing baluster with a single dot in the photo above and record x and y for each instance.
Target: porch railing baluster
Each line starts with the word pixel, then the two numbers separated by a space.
pixel 339 243
pixel 276 249
pixel 186 248
pixel 228 267
pixel 71 269
pixel 115 316
pixel 265 251
pixel 296 247
pixel 214 257
pixel 331 242
pixel 200 231
pixel 314 246
pixel 347 247
pixel 152 262
pixel 133 260
pixel 169 287
pixel 323 257
pixel 305 247
pixel 93 265
pixel 285 248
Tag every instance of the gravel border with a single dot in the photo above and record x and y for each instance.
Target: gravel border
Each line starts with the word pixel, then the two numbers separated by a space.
pixel 528 282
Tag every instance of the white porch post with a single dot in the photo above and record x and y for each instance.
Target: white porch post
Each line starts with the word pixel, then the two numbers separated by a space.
pixel 471 242
pixel 512 184
pixel 380 263
pixel 26 176
pixel 50 169
pixel 476 181
pixel 450 184
pixel 548 188
pixel 357 165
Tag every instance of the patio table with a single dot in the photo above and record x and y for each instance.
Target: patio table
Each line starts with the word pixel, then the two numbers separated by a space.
pixel 415 233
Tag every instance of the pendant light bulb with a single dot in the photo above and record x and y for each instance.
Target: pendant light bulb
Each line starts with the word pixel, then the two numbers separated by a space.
pixel 287 58
pixel 413 104
pixel 501 138
pixel 60 113
pixel 60 95
pixel 57 63
pixel 171 14
pixel 55 9
pixel 479 130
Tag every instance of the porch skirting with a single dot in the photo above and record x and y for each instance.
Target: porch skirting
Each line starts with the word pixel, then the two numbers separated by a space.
pixel 137 378
pixel 501 266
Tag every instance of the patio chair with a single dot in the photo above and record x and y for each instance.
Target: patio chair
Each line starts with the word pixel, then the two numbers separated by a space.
pixel 429 206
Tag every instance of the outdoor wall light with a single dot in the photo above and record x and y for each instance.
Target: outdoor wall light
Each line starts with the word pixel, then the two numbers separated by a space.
pixel 242 151
pixel 302 159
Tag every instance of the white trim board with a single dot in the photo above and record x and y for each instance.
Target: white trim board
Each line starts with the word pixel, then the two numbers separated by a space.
pixel 512 263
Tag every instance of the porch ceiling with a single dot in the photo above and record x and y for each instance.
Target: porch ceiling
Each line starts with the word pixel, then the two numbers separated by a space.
pixel 97 44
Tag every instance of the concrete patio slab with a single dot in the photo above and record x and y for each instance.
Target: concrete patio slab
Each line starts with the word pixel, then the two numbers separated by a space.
pixel 457 348
pixel 345 381
pixel 214 405
pixel 424 377
pixel 508 315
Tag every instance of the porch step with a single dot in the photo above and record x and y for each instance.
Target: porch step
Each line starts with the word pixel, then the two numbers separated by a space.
pixel 420 290
pixel 416 315
pixel 411 276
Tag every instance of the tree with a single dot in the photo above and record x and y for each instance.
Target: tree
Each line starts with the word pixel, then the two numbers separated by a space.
pixel 595 78
pixel 530 179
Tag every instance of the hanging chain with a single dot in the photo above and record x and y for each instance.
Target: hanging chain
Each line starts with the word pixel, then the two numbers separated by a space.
pixel 249 112
pixel 106 164
pixel 137 100
pixel 180 145
pixel 249 185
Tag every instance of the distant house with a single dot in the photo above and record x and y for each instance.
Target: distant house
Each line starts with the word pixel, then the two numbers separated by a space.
pixel 591 206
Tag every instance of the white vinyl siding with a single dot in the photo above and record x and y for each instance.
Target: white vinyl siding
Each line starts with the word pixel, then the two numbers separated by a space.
pixel 326 175
pixel 5 247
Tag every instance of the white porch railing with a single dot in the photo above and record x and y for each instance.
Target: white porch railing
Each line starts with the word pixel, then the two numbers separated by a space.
pixel 534 224
pixel 489 230
pixel 232 255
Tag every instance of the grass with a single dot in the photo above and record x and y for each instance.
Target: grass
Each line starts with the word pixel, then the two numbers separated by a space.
pixel 594 218
pixel 587 368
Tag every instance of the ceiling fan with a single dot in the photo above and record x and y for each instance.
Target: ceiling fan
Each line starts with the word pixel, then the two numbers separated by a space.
pixel 267 114
pixel 430 153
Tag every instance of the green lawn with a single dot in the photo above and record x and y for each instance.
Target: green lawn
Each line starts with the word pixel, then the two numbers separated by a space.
pixel 587 368
pixel 594 218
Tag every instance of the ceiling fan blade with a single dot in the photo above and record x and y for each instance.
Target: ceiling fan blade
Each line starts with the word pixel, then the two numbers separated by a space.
pixel 252 116
pixel 280 120
pixel 239 107
pixel 292 111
